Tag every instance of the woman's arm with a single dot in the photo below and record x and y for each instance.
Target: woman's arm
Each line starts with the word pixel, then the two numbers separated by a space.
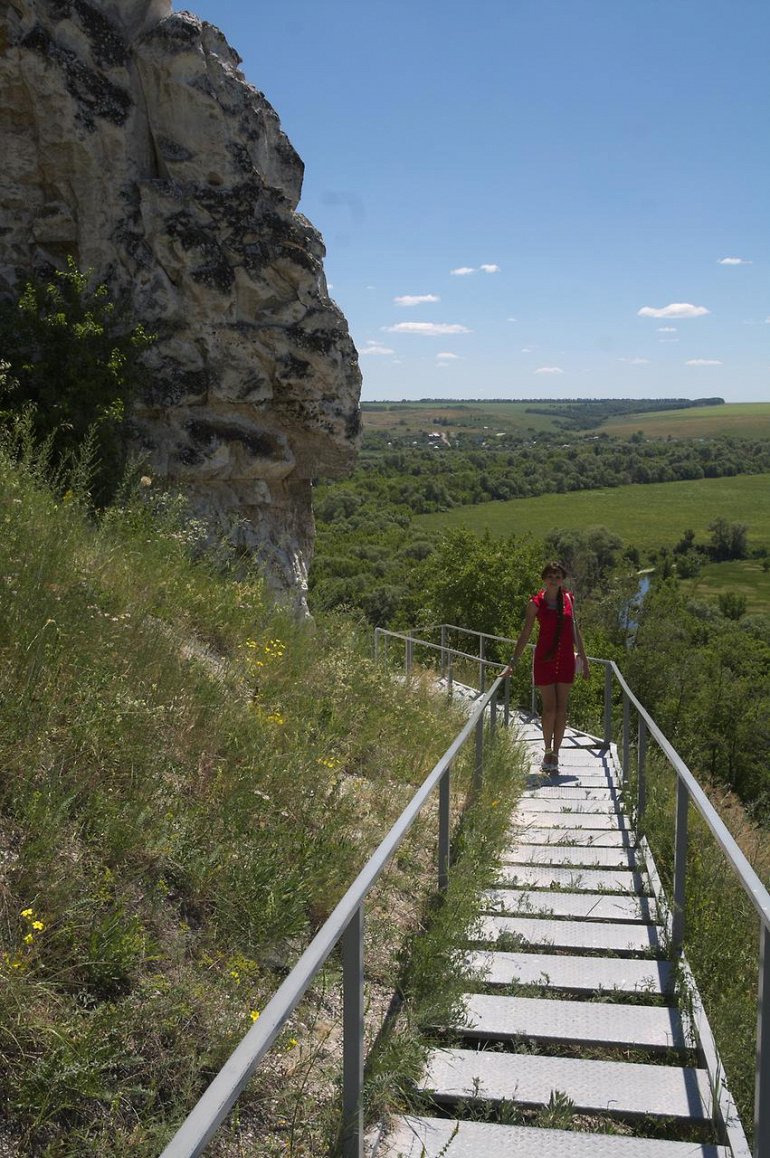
pixel 529 622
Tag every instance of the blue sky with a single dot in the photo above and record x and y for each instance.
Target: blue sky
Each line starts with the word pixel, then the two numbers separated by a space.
pixel 598 168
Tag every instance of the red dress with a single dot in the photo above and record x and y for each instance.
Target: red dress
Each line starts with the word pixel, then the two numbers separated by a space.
pixel 560 668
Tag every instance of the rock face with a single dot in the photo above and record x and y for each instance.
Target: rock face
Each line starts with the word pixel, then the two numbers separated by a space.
pixel 131 141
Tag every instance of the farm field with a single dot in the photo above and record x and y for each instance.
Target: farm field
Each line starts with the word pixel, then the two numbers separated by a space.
pixel 403 418
pixel 739 419
pixel 647 517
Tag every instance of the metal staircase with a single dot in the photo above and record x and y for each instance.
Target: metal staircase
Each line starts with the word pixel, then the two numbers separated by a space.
pixel 575 1007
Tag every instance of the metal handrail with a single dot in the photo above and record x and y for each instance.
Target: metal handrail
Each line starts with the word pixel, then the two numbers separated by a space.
pixel 345 924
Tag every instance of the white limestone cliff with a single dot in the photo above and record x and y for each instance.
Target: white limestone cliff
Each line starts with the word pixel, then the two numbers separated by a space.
pixel 132 141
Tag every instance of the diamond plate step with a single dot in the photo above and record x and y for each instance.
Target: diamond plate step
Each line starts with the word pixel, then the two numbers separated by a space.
pixel 571 972
pixel 573 879
pixel 489 1017
pixel 415 1137
pixel 539 932
pixel 600 1087
pixel 606 796
pixel 587 807
pixel 571 854
pixel 570 819
pixel 585 906
pixel 584 837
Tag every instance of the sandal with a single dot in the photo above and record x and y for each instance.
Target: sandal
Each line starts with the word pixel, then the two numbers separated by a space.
pixel 546 764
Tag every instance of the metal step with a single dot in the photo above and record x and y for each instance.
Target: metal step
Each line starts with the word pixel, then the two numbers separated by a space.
pixel 554 804
pixel 546 792
pixel 556 903
pixel 597 1087
pixel 571 972
pixel 568 819
pixel 540 932
pixel 570 779
pixel 585 837
pixel 492 1018
pixel 571 854
pixel 415 1137
pixel 573 879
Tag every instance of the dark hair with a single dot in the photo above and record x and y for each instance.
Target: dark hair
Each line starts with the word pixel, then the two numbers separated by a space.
pixel 554 565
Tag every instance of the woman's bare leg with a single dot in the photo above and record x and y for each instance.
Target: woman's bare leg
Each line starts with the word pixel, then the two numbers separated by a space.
pixel 561 703
pixel 548 702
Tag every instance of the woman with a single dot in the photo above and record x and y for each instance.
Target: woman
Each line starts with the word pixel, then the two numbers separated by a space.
pixel 553 666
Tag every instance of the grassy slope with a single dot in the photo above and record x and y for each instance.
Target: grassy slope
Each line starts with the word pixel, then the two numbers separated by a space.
pixel 190 781
pixel 736 419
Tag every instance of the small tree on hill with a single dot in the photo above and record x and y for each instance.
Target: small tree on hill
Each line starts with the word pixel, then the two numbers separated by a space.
pixel 75 360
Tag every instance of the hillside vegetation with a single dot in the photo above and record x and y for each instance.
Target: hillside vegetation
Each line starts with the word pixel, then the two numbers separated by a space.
pixel 190 781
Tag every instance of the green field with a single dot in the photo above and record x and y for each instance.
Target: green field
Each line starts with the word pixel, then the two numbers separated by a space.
pixel 646 517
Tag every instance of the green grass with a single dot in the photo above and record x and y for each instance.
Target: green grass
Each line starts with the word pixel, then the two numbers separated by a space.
pixel 647 516
pixel 191 780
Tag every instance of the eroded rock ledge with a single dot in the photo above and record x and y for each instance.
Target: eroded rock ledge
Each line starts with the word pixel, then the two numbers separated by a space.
pixel 132 141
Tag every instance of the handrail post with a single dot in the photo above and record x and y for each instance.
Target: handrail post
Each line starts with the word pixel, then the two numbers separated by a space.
pixel 443 648
pixel 479 767
pixel 376 644
pixel 762 1075
pixel 607 705
pixel 449 675
pixel 444 797
pixel 680 865
pixel 492 716
pixel 482 665
pixel 353 1036
pixel 507 701
pixel 641 769
pixel 409 656
pixel 626 737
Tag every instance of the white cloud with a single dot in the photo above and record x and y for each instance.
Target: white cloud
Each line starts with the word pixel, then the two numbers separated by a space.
pixel 465 270
pixel 375 348
pixel 636 361
pixel 526 349
pixel 675 310
pixel 431 329
pixel 549 370
pixel 734 261
pixel 511 319
pixel 415 299
pixel 666 329
pixel 703 362
pixel 446 357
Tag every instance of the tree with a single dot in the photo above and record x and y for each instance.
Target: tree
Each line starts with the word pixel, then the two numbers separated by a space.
pixel 728 540
pixel 75 357
pixel 482 583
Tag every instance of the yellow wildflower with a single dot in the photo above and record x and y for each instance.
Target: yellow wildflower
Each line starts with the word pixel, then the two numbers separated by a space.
pixel 28 913
pixel 254 1014
pixel 30 937
pixel 38 925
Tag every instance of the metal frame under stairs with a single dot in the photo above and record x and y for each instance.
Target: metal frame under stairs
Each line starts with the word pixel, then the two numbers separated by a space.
pixel 576 930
